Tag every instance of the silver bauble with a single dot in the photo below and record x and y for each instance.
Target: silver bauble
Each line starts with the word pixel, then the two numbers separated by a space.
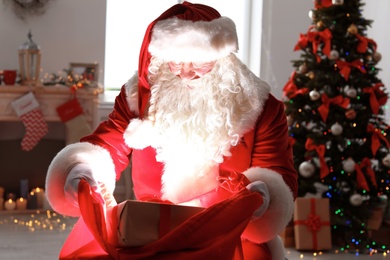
pixel 337 2
pixel 386 160
pixel 314 95
pixel 336 129
pixel 349 165
pixel 306 169
pixel 356 200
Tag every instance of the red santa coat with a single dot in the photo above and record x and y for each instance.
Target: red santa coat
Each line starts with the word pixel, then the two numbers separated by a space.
pixel 263 153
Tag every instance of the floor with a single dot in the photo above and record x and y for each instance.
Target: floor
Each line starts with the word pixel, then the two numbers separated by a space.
pixel 39 235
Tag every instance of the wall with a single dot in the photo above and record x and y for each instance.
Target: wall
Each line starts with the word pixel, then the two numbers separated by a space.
pixel 74 31
pixel 69 31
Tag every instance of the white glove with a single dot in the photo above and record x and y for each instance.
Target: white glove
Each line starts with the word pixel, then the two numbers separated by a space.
pixel 260 187
pixel 78 172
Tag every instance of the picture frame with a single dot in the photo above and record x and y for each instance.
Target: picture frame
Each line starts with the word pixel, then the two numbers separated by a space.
pixel 87 73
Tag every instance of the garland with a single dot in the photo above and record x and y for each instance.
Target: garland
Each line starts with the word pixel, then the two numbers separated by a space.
pixel 24 8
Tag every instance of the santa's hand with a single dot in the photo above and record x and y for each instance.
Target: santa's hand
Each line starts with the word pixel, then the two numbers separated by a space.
pixel 260 187
pixel 78 172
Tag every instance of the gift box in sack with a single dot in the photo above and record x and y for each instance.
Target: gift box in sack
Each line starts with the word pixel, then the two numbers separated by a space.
pixel 312 224
pixel 140 223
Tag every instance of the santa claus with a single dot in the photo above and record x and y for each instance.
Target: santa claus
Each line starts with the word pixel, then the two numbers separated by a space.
pixel 192 117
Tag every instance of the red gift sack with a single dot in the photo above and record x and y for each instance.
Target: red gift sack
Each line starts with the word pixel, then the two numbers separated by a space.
pixel 211 234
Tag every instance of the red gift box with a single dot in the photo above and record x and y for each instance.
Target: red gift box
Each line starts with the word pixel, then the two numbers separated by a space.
pixel 140 223
pixel 311 224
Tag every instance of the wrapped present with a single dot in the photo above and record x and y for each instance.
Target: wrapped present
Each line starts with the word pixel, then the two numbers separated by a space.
pixel 287 235
pixel 311 224
pixel 140 223
pixel 381 235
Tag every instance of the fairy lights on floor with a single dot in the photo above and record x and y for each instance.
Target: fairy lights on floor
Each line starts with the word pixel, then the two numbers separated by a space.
pixel 36 221
pixel 315 255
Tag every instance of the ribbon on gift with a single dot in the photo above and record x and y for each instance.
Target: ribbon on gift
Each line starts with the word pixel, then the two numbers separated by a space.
pixel 326 101
pixel 345 67
pixel 376 137
pixel 361 180
pixel 313 222
pixel 316 38
pixel 363 43
pixel 320 149
pixel 374 102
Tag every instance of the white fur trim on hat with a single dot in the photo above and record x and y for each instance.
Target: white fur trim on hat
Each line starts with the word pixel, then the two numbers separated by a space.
pixel 187 41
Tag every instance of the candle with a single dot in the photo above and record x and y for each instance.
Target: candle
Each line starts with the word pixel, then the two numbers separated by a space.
pixel 21 204
pixel 9 205
pixel 1 203
pixel 1 192
pixel 40 193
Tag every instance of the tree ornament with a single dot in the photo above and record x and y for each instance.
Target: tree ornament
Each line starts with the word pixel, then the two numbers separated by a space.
pixel 290 120
pixel 386 160
pixel 337 2
pixel 311 75
pixel 368 58
pixel 306 169
pixel 352 29
pixel 334 55
pixel 356 200
pixel 351 92
pixel 336 129
pixel 376 57
pixel 312 15
pixel 303 68
pixel 350 114
pixel 343 186
pixel 320 24
pixel 314 95
pixel 349 165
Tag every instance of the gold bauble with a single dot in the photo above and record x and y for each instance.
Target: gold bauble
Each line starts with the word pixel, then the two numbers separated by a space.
pixel 311 75
pixel 320 24
pixel 352 29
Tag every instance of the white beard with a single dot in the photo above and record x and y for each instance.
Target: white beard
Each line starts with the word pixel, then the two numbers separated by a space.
pixel 194 124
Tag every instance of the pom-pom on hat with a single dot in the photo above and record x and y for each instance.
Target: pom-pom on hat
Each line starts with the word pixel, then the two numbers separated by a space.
pixel 184 33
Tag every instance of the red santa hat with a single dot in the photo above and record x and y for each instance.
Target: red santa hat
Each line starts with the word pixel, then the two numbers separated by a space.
pixel 187 33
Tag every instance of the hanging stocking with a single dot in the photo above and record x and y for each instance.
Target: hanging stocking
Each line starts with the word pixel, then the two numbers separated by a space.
pixel 27 108
pixel 71 113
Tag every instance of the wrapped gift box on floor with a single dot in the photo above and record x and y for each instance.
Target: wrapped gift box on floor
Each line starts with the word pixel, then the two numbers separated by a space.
pixel 140 223
pixel 287 235
pixel 311 224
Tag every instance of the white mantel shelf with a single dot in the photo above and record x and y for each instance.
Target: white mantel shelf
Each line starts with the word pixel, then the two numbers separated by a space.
pixel 49 98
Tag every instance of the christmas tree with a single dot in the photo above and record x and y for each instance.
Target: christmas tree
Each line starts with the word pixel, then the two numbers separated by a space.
pixel 334 106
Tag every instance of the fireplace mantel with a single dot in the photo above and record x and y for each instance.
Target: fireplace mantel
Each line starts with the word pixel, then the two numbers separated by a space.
pixel 49 98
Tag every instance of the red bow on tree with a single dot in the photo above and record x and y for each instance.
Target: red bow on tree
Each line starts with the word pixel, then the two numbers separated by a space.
pixel 374 102
pixel 322 3
pixel 376 136
pixel 345 67
pixel 320 149
pixel 363 43
pixel 361 180
pixel 316 38
pixel 324 108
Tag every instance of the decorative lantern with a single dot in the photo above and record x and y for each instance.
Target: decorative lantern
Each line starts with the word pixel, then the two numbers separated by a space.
pixel 29 62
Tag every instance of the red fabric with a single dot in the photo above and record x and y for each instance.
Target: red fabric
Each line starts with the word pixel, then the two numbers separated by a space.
pixel 69 110
pixel 185 11
pixel 213 233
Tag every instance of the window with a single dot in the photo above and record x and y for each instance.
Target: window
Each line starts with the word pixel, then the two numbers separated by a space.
pixel 126 23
